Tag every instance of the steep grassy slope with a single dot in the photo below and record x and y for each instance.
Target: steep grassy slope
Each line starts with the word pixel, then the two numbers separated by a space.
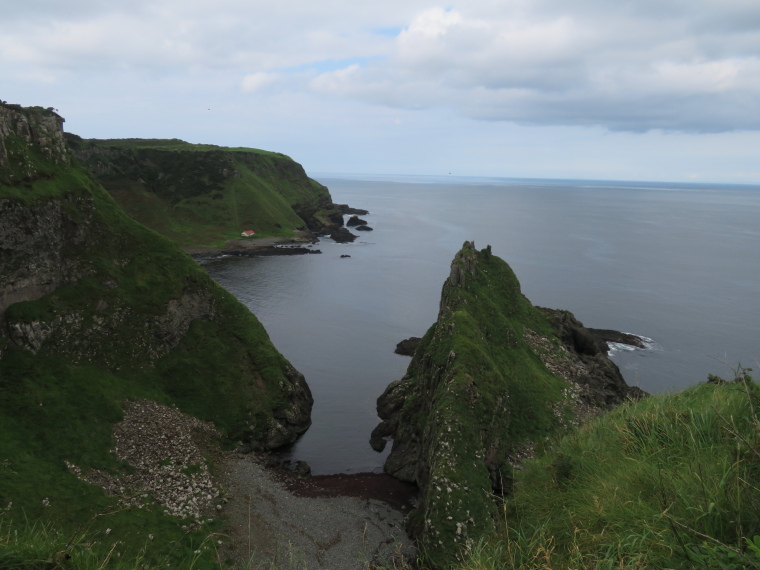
pixel 203 194
pixel 479 395
pixel 96 309
pixel 671 481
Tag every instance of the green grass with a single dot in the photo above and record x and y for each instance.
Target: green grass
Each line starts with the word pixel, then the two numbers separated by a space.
pixel 61 403
pixel 170 144
pixel 202 194
pixel 668 482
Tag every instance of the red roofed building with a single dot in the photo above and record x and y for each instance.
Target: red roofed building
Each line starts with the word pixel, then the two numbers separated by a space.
pixel 248 233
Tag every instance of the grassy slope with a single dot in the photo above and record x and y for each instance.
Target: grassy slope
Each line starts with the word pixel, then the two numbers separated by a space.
pixel 59 404
pixel 668 482
pixel 203 194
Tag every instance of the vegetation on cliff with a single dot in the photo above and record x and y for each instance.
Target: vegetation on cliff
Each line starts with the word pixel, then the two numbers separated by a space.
pixel 667 482
pixel 204 194
pixel 489 382
pixel 95 310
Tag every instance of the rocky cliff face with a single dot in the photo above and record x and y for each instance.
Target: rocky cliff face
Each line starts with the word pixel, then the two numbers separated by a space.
pixel 85 286
pixel 491 379
pixel 25 133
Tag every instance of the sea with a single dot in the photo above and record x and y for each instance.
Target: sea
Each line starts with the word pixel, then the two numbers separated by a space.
pixel 678 264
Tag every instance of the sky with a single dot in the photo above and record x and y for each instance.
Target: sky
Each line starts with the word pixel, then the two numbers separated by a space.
pixel 661 90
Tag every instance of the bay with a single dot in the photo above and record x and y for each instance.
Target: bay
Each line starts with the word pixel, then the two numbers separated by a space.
pixel 679 264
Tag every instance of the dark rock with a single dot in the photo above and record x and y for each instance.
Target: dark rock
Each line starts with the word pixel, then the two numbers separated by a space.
pixel 302 469
pixel 609 336
pixel 268 251
pixel 346 209
pixel 356 221
pixel 602 381
pixel 363 228
pixel 344 255
pixel 342 235
pixel 407 346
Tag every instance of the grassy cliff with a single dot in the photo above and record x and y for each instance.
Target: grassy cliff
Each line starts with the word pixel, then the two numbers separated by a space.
pixel 489 382
pixel 203 194
pixel 671 481
pixel 97 310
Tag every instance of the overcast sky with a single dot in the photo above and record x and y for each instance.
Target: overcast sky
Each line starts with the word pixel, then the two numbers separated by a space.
pixel 599 89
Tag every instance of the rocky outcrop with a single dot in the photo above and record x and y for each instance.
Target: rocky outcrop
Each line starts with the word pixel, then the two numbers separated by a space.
pixel 490 378
pixel 342 235
pixel 356 221
pixel 348 210
pixel 38 243
pixel 407 346
pixel 24 134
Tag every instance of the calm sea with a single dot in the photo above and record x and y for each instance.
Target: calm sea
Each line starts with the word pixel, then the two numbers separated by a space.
pixel 679 264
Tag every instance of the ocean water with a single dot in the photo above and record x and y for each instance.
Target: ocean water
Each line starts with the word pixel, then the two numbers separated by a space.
pixel 679 264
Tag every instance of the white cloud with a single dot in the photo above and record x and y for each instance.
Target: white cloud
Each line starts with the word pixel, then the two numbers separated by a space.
pixel 255 81
pixel 591 66
pixel 623 65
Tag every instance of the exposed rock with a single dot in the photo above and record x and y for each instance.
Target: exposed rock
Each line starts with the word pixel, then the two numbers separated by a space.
pixel 603 383
pixel 165 449
pixel 302 469
pixel 342 235
pixel 363 228
pixel 346 209
pixel 610 336
pixel 39 131
pixel 407 346
pixel 356 221
pixel 344 256
pixel 40 241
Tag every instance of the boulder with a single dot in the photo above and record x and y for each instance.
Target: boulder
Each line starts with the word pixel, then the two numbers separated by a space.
pixel 356 221
pixel 342 235
pixel 407 346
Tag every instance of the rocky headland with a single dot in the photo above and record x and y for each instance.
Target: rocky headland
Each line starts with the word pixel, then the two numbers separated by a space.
pixel 490 380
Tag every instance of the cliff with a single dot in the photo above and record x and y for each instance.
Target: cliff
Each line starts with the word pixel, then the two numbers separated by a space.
pixel 490 381
pixel 204 194
pixel 95 309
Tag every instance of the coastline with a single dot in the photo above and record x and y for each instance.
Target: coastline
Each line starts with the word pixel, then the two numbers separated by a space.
pixel 264 246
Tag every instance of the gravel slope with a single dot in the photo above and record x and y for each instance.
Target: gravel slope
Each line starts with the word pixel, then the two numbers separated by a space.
pixel 271 527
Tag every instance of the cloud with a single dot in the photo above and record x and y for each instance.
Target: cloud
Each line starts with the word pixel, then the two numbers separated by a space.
pixel 623 66
pixel 631 65
pixel 256 81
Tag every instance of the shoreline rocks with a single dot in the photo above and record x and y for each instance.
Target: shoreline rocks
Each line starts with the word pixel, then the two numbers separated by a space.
pixel 407 346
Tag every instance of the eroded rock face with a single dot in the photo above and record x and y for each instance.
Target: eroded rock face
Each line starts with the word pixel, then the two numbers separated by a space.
pixel 38 246
pixel 492 376
pixel 22 129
